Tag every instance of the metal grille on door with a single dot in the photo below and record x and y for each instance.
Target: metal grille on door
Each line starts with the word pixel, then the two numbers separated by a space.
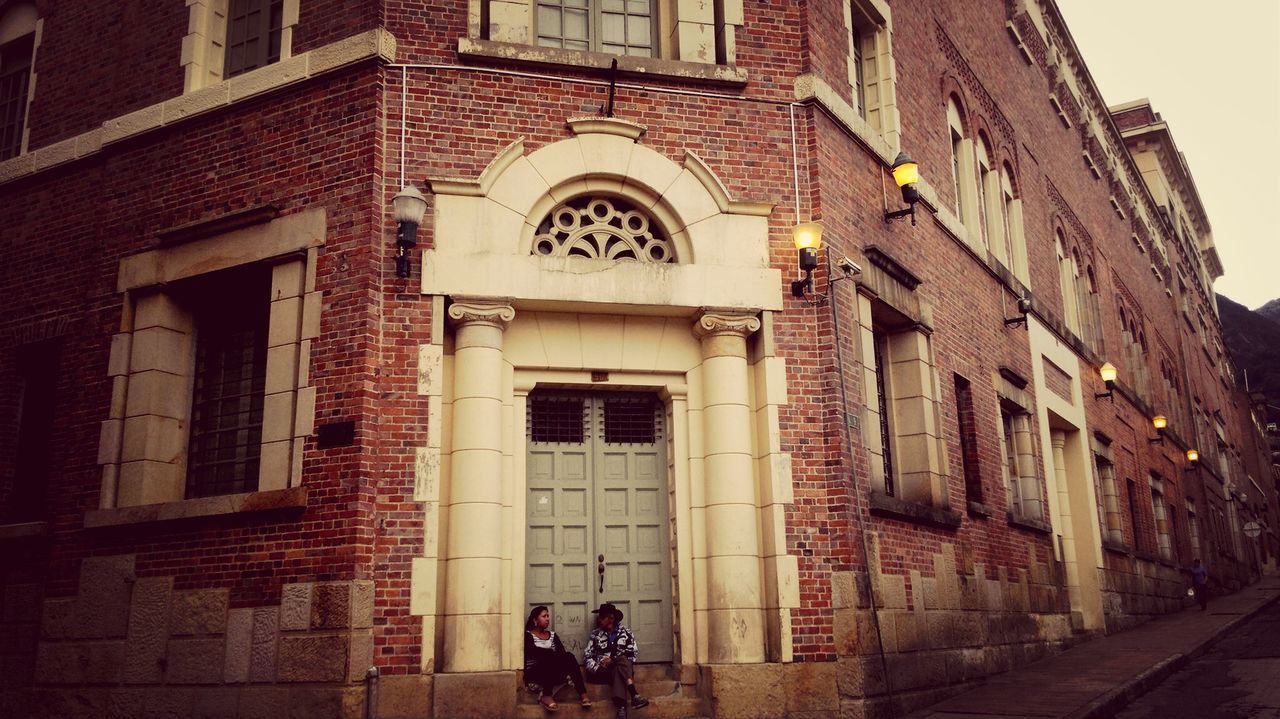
pixel 597 522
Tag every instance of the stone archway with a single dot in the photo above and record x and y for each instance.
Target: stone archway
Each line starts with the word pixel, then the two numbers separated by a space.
pixel 692 326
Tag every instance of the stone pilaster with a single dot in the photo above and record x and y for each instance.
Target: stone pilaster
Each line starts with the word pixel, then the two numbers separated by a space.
pixel 473 567
pixel 734 596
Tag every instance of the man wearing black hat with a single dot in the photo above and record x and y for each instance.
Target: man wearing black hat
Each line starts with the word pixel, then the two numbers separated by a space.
pixel 610 657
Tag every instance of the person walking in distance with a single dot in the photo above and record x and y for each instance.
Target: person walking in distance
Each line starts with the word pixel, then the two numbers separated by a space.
pixel 1200 583
pixel 546 662
pixel 610 658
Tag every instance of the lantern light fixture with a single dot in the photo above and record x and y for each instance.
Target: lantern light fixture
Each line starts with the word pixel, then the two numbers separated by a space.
pixel 1193 458
pixel 807 237
pixel 1109 373
pixel 906 173
pixel 1160 422
pixel 409 206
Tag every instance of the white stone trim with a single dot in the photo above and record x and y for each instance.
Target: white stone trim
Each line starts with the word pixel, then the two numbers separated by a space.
pixel 142 444
pixel 203 51
pixel 377 44
pixel 484 228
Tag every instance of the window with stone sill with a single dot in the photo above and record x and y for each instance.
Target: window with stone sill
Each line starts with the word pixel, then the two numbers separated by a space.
pixel 907 453
pixel 967 426
pixel 227 38
pixel 694 31
pixel 212 394
pixel 1193 527
pixel 1109 521
pixel 871 67
pixel 1164 542
pixel 617 27
pixel 1131 490
pixel 230 317
pixel 1018 463
pixel 18 38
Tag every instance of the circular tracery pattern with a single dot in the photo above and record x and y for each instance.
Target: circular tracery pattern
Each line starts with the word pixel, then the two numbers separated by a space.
pixel 601 228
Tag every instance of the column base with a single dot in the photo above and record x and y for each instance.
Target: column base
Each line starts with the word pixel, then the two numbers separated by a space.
pixel 474 695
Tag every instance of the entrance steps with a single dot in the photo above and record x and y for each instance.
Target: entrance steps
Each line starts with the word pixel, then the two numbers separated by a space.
pixel 668 699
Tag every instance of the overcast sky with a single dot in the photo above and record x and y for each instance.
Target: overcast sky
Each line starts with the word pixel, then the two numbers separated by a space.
pixel 1212 70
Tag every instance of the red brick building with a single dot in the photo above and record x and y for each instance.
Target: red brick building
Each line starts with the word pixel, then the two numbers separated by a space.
pixel 246 460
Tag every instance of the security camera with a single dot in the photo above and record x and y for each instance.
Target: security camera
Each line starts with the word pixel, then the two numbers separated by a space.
pixel 848 266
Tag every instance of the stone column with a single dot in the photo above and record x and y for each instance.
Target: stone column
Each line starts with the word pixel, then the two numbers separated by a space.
pixel 473 567
pixel 1058 440
pixel 734 614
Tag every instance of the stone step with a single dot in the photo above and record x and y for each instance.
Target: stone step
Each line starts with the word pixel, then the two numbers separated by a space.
pixel 600 692
pixel 672 706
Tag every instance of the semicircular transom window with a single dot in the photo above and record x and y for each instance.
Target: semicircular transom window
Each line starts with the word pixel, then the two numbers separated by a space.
pixel 602 228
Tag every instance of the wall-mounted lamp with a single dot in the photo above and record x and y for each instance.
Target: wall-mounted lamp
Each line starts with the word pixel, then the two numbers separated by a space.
pixel 1193 459
pixel 1159 422
pixel 1024 309
pixel 409 206
pixel 1108 372
pixel 808 240
pixel 906 173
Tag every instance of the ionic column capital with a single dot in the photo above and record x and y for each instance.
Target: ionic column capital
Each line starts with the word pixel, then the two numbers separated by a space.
pixel 476 310
pixel 725 322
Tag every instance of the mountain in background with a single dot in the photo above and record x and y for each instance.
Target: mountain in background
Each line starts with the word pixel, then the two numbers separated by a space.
pixel 1271 310
pixel 1253 337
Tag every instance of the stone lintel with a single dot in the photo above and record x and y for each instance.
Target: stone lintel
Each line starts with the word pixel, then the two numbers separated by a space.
pixel 293 498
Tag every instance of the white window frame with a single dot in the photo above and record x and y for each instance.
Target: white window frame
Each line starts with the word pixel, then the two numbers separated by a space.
pixel 204 45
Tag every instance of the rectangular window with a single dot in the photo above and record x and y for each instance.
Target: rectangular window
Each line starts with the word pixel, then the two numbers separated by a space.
pixel 37 375
pixel 225 445
pixel 884 406
pixel 1132 491
pixel 968 427
pixel 1164 544
pixel 1193 528
pixel 618 27
pixel 253 35
pixel 15 76
pixel 1108 501
pixel 859 72
pixel 1009 454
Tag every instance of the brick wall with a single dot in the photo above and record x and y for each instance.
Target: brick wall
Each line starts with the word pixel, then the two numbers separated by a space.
pixel 335 143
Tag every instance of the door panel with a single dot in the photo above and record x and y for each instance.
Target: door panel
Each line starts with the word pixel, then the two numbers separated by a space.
pixel 596 490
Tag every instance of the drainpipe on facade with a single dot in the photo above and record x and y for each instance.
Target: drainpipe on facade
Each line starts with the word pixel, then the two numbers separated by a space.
pixel 371 693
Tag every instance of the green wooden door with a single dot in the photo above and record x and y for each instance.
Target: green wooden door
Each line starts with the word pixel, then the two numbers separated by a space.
pixel 597 523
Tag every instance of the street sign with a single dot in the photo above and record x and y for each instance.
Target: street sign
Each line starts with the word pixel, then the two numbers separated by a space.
pixel 1252 530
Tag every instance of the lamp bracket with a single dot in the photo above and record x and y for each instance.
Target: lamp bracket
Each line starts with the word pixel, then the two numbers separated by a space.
pixel 613 86
pixel 909 211
pixel 1015 321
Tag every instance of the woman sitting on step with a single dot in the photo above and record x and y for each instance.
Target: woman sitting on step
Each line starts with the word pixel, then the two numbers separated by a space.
pixel 546 662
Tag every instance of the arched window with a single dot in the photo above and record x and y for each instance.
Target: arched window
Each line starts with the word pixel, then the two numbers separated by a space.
pixel 989 222
pixel 961 159
pixel 17 52
pixel 1015 248
pixel 602 228
pixel 1068 271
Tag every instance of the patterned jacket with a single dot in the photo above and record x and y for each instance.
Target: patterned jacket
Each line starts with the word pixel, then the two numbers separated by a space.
pixel 598 647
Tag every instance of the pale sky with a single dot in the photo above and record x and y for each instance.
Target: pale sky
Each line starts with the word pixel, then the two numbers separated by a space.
pixel 1212 71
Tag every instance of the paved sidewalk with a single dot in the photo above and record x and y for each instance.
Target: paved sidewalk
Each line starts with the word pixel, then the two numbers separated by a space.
pixel 1099 677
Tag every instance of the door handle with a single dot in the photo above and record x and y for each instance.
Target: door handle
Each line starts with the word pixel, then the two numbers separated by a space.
pixel 600 571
